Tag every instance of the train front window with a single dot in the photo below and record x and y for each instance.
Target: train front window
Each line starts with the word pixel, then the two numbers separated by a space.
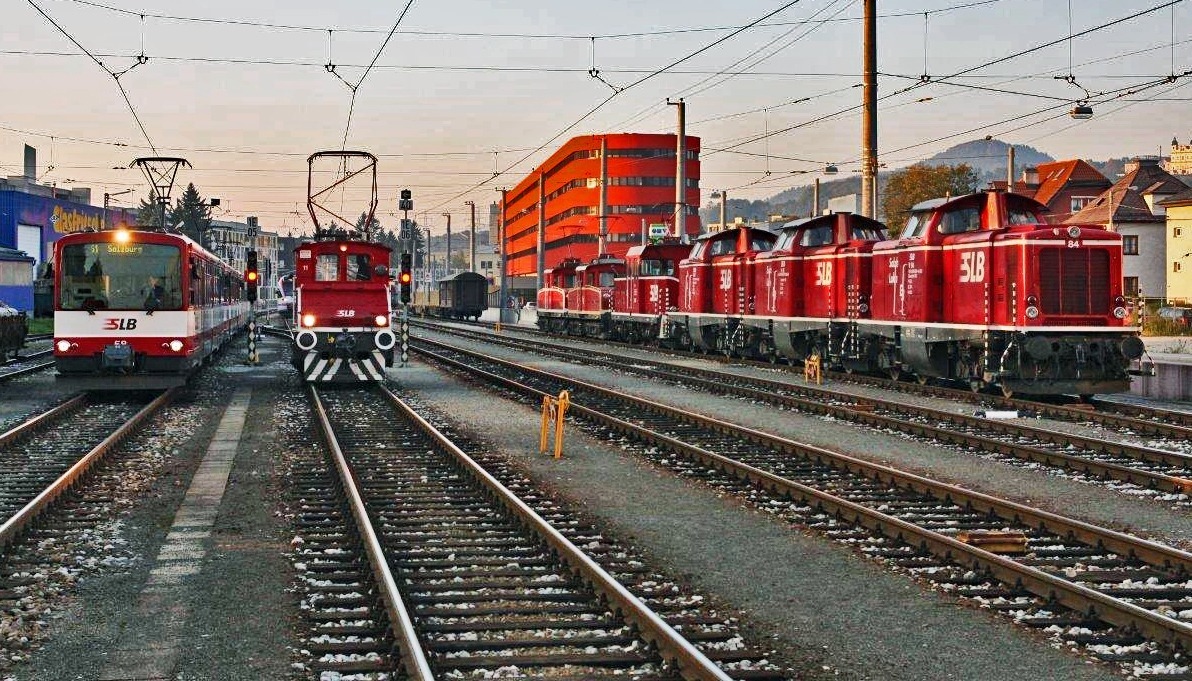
pixel 110 276
pixel 606 279
pixel 327 267
pixel 358 267
pixel 657 268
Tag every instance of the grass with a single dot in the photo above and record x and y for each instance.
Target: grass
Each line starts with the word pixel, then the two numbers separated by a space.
pixel 41 325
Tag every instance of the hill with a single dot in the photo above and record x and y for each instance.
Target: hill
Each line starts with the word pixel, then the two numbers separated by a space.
pixel 988 157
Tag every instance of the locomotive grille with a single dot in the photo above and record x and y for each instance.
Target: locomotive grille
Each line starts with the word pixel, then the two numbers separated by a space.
pixel 1074 281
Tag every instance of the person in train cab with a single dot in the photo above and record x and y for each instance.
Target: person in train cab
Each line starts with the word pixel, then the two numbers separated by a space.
pixel 153 294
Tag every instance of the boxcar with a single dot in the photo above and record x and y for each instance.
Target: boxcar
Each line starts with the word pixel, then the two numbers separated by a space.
pixel 463 295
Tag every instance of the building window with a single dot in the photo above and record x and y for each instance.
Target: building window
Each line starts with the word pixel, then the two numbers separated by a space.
pixel 1130 284
pixel 1130 244
pixel 1175 266
pixel 1079 202
pixel 1176 231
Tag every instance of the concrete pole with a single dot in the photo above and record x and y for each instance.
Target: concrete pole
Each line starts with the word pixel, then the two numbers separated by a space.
pixel 541 229
pixel 869 114
pixel 815 199
pixel 602 209
pixel 1010 169
pixel 723 208
pixel 680 228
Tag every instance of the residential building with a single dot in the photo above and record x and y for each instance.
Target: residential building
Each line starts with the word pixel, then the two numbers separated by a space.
pixel 1133 207
pixel 1179 248
pixel 1065 187
pixel 563 194
pixel 231 241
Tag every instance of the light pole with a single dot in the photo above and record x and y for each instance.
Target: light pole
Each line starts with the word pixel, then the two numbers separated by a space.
pixel 107 223
pixel 472 238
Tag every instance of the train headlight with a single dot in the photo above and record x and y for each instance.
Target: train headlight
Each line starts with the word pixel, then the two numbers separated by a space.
pixel 306 340
pixel 1032 312
pixel 308 320
pixel 1120 312
pixel 64 345
pixel 1074 232
pixel 381 320
pixel 863 308
pixel 176 345
pixel 384 340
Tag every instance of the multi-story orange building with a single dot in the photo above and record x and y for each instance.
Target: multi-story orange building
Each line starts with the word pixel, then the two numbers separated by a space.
pixel 640 191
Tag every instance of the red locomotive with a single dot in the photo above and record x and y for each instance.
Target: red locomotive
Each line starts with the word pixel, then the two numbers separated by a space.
pixel 136 310
pixel 979 289
pixel 342 286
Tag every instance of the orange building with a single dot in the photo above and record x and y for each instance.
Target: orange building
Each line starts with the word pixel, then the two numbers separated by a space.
pixel 640 191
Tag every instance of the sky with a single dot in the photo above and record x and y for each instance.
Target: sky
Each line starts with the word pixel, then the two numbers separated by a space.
pixel 467 96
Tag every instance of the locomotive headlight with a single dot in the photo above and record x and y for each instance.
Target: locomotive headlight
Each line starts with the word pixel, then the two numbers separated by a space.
pixel 1074 232
pixel 381 320
pixel 863 308
pixel 308 320
pixel 1032 312
pixel 64 345
pixel 176 345
pixel 1120 312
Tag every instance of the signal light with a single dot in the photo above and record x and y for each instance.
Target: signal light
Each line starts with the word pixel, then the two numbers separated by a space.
pixel 405 278
pixel 251 276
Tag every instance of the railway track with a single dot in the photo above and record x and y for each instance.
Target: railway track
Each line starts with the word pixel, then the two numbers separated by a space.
pixel 42 457
pixel 1163 469
pixel 1122 598
pixel 25 365
pixel 473 579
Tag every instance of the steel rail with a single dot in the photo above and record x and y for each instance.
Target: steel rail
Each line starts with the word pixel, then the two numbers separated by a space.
pixel 1074 596
pixel 12 527
pixel 413 656
pixel 671 645
pixel 813 400
pixel 30 426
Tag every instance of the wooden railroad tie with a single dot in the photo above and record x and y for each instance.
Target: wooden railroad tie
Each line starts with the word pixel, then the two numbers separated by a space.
pixel 994 542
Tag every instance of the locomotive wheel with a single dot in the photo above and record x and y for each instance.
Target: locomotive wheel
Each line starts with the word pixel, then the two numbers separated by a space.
pixel 1007 392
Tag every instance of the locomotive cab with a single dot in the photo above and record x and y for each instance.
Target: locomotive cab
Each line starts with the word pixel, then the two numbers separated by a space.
pixel 555 282
pixel 717 288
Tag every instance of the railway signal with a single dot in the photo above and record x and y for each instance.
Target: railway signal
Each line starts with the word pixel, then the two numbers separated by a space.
pixel 405 278
pixel 251 276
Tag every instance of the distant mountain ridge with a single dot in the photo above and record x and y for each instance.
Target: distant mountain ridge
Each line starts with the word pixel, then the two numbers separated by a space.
pixel 988 157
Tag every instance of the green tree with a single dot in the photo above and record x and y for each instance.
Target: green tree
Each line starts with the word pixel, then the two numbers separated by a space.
pixel 192 214
pixel 149 213
pixel 906 187
pixel 373 228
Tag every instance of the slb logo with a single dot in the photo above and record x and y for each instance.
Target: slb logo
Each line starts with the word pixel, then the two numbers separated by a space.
pixel 119 324
pixel 972 267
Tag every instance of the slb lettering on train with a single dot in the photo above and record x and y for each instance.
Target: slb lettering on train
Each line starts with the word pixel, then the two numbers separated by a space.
pixel 119 323
pixel 972 267
pixel 345 313
pixel 823 273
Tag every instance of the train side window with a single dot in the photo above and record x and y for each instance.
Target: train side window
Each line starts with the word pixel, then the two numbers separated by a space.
pixel 327 267
pixel 916 225
pixel 723 247
pixel 607 278
pixel 358 267
pixel 819 236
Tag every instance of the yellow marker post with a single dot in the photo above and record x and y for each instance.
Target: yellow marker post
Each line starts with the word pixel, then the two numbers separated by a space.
pixel 813 370
pixel 497 327
pixel 553 409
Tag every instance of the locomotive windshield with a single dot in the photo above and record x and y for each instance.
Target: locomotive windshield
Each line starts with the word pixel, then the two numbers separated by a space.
pixel 114 276
pixel 327 267
pixel 657 268
pixel 358 268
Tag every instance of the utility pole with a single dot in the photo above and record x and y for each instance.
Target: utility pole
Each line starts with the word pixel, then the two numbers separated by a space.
pixel 869 114
pixel 447 270
pixel 815 199
pixel 502 261
pixel 472 238
pixel 680 229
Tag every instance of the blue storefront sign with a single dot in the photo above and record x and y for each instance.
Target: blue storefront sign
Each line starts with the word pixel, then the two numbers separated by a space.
pixel 32 224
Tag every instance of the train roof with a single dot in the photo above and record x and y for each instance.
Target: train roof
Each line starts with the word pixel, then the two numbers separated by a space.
pixel 855 218
pixel 464 276
pixel 1011 198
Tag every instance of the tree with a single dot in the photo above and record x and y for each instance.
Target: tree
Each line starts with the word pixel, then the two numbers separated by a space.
pixel 149 212
pixel 373 228
pixel 192 214
pixel 919 182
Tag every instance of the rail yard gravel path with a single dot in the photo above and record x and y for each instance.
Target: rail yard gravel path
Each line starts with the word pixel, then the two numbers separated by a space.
pixel 832 612
pixel 1040 486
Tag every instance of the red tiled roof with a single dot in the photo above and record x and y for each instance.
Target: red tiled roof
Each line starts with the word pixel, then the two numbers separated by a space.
pixel 1054 176
pixel 1123 202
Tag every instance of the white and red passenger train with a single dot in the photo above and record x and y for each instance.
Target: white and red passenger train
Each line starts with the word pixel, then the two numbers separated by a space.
pixel 342 310
pixel 978 289
pixel 137 310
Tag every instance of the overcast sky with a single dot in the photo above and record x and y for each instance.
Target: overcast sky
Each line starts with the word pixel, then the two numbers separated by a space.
pixel 468 88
